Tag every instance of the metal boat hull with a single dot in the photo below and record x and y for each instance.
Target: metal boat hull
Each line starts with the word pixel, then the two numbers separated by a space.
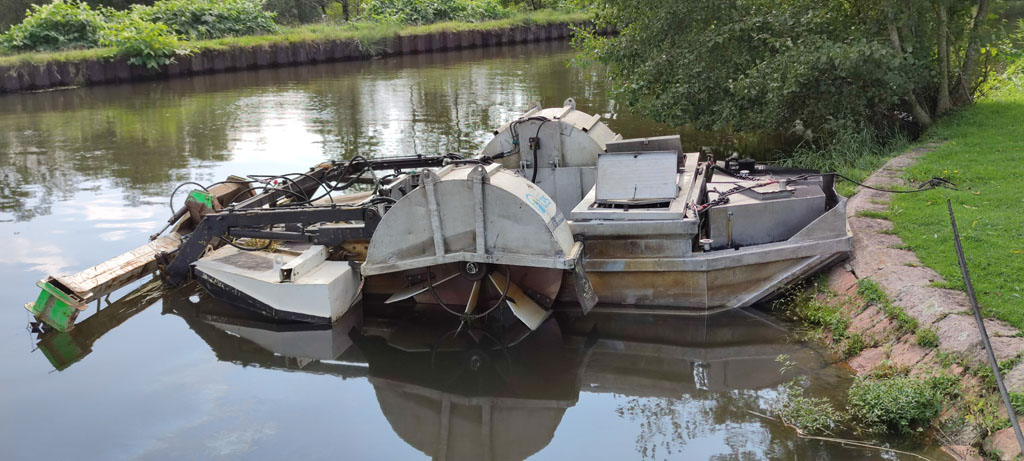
pixel 703 291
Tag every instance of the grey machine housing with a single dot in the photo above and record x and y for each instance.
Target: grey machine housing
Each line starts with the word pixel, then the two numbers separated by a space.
pixel 637 206
pixel 642 222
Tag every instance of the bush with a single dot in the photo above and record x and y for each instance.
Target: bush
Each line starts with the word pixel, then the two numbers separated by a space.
pixel 206 19
pixel 60 25
pixel 429 11
pixel 927 337
pixel 143 43
pixel 896 404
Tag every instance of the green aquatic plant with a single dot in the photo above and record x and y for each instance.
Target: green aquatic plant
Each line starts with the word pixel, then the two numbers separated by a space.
pixel 898 404
pixel 810 415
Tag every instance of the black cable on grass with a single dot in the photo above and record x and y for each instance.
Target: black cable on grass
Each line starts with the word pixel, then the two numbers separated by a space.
pixel 927 185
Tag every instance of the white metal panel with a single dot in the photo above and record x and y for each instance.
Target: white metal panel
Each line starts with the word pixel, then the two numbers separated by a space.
pixel 326 291
pixel 637 177
pixel 303 263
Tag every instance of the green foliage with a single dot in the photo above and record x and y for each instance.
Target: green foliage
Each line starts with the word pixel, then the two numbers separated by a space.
pixel 370 34
pixel 897 404
pixel 430 11
pixel 206 19
pixel 927 337
pixel 71 24
pixel 537 4
pixel 295 11
pixel 63 24
pixel 871 293
pixel 984 372
pixel 145 35
pixel 984 411
pixel 853 345
pixel 812 311
pixel 811 415
pixel 809 307
pixel 118 4
pixel 1017 401
pixel 143 43
pixel 344 10
pixel 814 68
pixel 13 12
pixel 853 153
pixel 839 77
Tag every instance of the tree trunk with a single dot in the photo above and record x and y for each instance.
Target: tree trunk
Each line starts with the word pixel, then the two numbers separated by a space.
pixel 920 114
pixel 972 53
pixel 944 103
pixel 345 10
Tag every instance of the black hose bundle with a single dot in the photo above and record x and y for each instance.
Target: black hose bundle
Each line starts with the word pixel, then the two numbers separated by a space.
pixel 927 185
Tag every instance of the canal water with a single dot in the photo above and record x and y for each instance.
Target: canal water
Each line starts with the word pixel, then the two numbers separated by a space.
pixel 86 175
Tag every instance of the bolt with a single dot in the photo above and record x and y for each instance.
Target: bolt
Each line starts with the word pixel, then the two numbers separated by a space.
pixel 471 268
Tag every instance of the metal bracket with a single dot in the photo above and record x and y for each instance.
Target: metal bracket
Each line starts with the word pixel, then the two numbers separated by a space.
pixel 429 179
pixel 585 293
pixel 479 176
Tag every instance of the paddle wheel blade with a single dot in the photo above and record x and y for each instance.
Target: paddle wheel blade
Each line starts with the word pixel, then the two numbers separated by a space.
pixel 415 289
pixel 523 307
pixel 474 296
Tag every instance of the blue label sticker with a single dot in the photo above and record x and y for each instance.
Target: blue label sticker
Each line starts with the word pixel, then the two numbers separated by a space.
pixel 541 202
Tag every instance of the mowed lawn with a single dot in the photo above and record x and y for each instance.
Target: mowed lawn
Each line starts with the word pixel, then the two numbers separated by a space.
pixel 983 154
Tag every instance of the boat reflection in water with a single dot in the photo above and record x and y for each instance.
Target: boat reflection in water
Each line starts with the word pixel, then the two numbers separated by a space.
pixel 454 394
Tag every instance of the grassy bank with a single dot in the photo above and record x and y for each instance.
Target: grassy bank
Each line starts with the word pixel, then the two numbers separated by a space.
pixel 368 34
pixel 982 151
pixel 980 148
pixel 905 382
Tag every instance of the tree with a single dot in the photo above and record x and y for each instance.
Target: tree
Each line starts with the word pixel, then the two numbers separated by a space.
pixel 296 11
pixel 826 66
pixel 13 12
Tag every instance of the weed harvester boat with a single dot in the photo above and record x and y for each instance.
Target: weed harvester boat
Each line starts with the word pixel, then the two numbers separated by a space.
pixel 556 210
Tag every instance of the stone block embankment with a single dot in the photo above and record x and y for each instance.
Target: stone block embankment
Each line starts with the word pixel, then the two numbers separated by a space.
pixel 881 256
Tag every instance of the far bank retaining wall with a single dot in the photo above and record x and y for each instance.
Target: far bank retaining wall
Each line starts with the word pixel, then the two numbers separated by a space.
pixel 29 77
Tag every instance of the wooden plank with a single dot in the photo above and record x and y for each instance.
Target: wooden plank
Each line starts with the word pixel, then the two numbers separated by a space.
pixel 106 277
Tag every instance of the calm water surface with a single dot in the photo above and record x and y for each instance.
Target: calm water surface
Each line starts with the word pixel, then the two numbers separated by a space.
pixel 174 375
